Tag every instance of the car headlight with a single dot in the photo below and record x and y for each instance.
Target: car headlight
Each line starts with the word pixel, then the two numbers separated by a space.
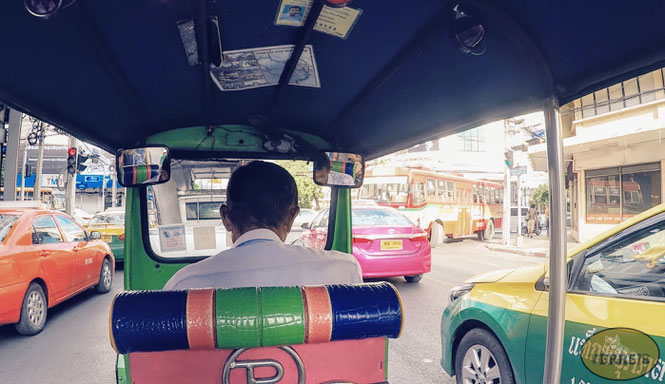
pixel 460 291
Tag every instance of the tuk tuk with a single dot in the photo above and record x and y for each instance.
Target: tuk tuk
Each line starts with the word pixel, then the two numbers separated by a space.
pixel 184 89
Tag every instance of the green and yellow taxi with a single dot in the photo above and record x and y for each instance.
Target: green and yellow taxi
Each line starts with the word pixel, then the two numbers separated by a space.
pixel 111 224
pixel 495 327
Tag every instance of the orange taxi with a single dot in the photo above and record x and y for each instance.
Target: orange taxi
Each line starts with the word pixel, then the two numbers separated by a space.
pixel 46 258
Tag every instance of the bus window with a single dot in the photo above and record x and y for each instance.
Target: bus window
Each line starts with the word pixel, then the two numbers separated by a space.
pixel 475 194
pixel 393 193
pixel 441 190
pixel 451 191
pixel 431 190
pixel 418 193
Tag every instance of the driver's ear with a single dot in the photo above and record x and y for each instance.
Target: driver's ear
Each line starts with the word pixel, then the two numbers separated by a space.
pixel 292 213
pixel 224 212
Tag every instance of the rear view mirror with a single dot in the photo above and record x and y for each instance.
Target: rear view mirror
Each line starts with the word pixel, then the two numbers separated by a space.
pixel 94 235
pixel 339 169
pixel 143 166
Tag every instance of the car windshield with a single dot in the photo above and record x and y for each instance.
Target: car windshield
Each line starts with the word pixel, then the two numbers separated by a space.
pixel 186 209
pixel 377 217
pixel 108 218
pixel 6 224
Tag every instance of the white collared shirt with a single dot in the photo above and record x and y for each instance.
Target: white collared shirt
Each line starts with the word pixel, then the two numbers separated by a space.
pixel 260 258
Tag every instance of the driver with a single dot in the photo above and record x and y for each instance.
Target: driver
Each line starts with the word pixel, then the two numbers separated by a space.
pixel 262 203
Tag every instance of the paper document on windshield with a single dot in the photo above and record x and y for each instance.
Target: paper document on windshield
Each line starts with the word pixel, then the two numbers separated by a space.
pixel 262 67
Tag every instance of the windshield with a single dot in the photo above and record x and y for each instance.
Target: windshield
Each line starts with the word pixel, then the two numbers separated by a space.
pixel 6 224
pixel 192 226
pixel 108 218
pixel 377 217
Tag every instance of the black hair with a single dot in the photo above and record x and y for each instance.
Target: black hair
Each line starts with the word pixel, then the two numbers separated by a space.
pixel 295 7
pixel 322 161
pixel 260 194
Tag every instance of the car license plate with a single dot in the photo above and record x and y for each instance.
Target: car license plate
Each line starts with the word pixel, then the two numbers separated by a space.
pixel 391 244
pixel 106 238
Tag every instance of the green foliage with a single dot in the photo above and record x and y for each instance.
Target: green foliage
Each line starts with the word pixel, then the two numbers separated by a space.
pixel 541 196
pixel 307 190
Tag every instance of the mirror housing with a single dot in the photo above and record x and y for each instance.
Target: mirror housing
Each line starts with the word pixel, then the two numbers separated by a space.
pixel 306 225
pixel 95 235
pixel 339 169
pixel 143 166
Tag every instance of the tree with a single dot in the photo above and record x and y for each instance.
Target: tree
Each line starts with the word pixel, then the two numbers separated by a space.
pixel 307 190
pixel 541 196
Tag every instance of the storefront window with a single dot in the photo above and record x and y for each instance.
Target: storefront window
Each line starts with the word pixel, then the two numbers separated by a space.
pixel 617 194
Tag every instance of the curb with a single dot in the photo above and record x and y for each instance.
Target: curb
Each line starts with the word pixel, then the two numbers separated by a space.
pixel 517 251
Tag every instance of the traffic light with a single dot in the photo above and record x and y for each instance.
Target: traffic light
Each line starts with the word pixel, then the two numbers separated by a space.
pixel 80 160
pixel 71 161
pixel 509 158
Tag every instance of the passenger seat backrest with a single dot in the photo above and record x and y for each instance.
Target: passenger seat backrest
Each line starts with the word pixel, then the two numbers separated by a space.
pixel 338 332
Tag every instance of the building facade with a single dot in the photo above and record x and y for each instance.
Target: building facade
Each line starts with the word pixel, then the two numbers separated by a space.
pixel 614 153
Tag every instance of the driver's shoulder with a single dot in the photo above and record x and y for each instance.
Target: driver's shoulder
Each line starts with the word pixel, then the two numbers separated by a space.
pixel 328 255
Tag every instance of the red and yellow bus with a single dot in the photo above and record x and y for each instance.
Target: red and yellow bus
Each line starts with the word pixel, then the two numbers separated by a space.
pixel 441 204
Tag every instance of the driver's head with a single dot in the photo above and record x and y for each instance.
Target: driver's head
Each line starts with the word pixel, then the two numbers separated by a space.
pixel 260 195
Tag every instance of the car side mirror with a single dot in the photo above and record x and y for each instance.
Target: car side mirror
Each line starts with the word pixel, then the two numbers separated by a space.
pixel 94 235
pixel 143 166
pixel 546 283
pixel 306 225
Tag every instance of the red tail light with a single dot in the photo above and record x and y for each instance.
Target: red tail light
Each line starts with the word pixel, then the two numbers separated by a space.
pixel 361 240
pixel 122 237
pixel 419 240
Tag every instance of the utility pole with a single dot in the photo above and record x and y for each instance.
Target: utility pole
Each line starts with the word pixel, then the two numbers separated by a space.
pixel 25 161
pixel 70 194
pixel 11 157
pixel 505 232
pixel 114 187
pixel 519 212
pixel 38 173
pixel 103 187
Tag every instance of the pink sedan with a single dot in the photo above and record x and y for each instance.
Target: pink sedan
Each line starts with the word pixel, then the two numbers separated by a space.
pixel 385 243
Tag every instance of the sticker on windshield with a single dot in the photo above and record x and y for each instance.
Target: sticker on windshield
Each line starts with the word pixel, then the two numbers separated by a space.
pixel 261 67
pixel 172 238
pixel 335 21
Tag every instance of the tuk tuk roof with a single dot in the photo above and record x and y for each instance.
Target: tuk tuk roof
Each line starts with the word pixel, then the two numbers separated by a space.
pixel 115 72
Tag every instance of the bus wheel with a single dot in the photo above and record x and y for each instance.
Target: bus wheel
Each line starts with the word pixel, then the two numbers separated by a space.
pixel 488 233
pixel 436 235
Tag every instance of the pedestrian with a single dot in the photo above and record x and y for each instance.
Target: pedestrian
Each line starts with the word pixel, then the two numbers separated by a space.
pixel 547 220
pixel 261 205
pixel 531 217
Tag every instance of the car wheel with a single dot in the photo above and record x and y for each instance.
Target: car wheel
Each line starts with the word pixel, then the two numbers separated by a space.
pixel 488 233
pixel 105 277
pixel 480 358
pixel 413 278
pixel 33 311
